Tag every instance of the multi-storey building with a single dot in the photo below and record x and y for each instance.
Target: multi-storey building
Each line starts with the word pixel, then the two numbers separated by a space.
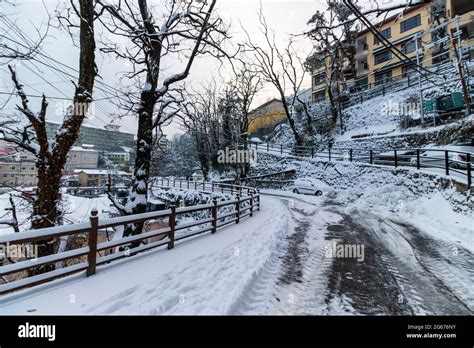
pixel 103 139
pixel 21 172
pixel 376 64
pixel 81 157
pixel 100 177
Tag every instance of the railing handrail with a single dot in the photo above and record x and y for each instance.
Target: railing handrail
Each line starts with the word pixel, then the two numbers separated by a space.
pixel 373 155
pixel 316 149
pixel 250 195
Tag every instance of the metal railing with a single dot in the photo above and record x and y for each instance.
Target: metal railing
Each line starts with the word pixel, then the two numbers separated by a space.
pixel 448 161
pixel 245 203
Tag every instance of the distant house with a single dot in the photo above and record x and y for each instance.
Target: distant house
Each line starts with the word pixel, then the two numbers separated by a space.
pixel 100 177
pixel 123 156
pixel 264 118
pixel 84 156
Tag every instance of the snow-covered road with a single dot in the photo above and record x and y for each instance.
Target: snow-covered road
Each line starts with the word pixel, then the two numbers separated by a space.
pixel 277 263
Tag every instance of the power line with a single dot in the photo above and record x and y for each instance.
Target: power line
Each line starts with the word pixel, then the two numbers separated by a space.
pixel 388 44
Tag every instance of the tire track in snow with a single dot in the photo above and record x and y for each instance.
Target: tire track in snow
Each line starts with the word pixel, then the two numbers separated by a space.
pixel 404 271
pixel 292 280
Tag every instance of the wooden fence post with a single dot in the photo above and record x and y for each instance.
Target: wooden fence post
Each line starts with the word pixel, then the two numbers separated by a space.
pixel 237 209
pixel 469 169
pixel 92 256
pixel 214 215
pixel 251 205
pixel 371 157
pixel 171 225
pixel 258 199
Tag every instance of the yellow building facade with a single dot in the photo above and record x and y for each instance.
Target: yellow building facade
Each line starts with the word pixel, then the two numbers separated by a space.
pixel 266 116
pixel 376 64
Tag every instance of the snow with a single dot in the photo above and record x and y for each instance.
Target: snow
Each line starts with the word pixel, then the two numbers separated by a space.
pixel 100 172
pixel 204 275
pixel 147 87
pixel 435 215
pixel 432 203
pixel 77 209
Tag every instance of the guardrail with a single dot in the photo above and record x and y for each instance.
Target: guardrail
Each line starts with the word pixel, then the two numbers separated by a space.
pixel 394 84
pixel 449 161
pixel 246 202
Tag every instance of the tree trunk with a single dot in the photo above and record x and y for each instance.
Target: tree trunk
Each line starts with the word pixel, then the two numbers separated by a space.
pixel 50 165
pixel 291 122
pixel 138 197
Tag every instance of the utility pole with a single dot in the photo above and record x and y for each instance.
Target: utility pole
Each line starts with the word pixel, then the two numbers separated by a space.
pixel 419 80
pixel 458 52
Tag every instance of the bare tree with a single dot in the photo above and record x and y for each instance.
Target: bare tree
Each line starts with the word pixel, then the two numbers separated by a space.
pixel 51 154
pixel 246 83
pixel 202 117
pixel 186 30
pixel 295 74
pixel 269 61
pixel 332 48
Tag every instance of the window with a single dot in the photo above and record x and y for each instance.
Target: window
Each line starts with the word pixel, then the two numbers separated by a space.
pixel 362 65
pixel 317 79
pixel 382 57
pixel 410 23
pixel 409 47
pixel 386 33
pixel 383 77
pixel 362 45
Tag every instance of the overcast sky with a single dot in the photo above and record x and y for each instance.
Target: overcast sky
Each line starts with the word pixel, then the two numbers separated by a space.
pixel 286 17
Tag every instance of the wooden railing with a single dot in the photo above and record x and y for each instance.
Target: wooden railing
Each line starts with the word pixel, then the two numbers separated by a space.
pixel 244 204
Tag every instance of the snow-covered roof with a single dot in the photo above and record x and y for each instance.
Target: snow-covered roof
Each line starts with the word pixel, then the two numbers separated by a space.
pixel 256 140
pixel 85 125
pixel 82 149
pixel 100 172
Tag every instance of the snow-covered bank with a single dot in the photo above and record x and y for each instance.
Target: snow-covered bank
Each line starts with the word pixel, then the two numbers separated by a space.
pixel 435 204
pixel 76 209
pixel 202 276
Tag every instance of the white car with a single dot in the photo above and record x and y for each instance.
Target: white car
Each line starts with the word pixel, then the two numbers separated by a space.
pixel 310 186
